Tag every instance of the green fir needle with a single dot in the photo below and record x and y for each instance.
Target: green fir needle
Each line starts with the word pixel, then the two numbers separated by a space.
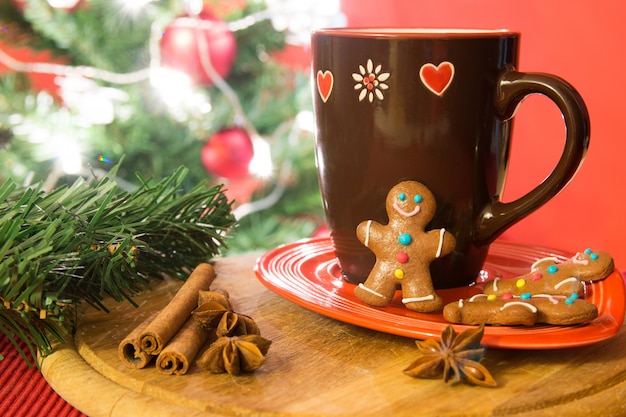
pixel 93 240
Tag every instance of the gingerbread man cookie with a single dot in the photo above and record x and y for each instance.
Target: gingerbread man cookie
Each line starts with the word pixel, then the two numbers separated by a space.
pixel 524 310
pixel 549 294
pixel 550 276
pixel 404 250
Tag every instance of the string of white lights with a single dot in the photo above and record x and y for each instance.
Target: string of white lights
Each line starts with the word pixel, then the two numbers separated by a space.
pixel 218 81
pixel 130 77
pixel 68 70
pixel 278 10
pixel 262 158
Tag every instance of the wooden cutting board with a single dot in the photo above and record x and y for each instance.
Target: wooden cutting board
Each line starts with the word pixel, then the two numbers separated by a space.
pixel 319 366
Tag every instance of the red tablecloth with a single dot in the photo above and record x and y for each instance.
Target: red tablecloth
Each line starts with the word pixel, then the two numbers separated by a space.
pixel 24 391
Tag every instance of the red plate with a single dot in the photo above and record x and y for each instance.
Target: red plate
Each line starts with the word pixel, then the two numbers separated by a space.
pixel 307 273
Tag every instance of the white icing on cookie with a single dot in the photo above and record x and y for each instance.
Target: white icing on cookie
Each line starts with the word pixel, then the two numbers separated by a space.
pixel 442 232
pixel 551 298
pixel 565 281
pixel 418 299
pixel 519 303
pixel 538 261
pixel 475 296
pixel 371 291
pixel 367 233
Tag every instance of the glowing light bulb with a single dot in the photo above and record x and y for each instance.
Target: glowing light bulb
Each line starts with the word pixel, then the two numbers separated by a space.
pixel 306 121
pixel 133 8
pixel 177 91
pixel 193 7
pixel 173 86
pixel 68 154
pixel 63 4
pixel 261 164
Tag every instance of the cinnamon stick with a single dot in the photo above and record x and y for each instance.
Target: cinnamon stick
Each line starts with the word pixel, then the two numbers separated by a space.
pixel 129 349
pixel 182 349
pixel 154 337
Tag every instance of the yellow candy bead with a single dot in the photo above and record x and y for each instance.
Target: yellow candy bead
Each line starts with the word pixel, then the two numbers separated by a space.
pixel 491 297
pixel 520 283
pixel 399 273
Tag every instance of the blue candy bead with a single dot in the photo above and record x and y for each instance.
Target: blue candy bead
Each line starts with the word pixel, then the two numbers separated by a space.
pixel 405 239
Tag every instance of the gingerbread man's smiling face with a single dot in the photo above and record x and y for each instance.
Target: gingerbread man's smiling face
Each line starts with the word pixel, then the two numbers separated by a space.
pixel 410 201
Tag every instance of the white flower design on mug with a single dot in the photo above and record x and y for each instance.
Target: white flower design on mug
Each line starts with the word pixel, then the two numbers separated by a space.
pixel 371 81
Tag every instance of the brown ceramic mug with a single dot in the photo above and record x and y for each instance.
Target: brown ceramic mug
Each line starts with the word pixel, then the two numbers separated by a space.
pixel 434 106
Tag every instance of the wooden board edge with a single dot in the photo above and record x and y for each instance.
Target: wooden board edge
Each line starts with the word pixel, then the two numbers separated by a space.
pixel 66 371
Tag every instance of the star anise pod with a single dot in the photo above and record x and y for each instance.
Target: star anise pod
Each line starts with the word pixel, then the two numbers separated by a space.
pixel 234 324
pixel 235 354
pixel 215 312
pixel 456 357
pixel 212 305
pixel 217 295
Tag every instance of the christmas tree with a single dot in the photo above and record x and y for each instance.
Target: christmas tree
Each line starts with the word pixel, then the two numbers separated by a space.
pixel 137 89
pixel 156 82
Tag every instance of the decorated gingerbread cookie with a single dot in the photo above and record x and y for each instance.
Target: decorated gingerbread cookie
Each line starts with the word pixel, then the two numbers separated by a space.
pixel 550 293
pixel 404 250
pixel 550 276
pixel 525 310
pixel 480 310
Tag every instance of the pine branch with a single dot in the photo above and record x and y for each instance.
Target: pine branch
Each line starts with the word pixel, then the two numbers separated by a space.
pixel 92 240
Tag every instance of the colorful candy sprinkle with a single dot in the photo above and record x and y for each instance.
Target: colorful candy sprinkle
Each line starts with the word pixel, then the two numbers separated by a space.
pixel 398 273
pixel 571 299
pixel 536 276
pixel 552 269
pixel 520 283
pixel 402 257
pixel 405 239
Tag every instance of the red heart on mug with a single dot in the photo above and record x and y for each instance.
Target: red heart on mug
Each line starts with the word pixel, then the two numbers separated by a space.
pixel 325 82
pixel 437 78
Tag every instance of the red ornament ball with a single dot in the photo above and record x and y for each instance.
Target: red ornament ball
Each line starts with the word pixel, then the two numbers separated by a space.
pixel 228 153
pixel 179 47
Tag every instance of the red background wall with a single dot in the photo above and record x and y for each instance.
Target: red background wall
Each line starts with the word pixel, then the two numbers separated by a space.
pixel 585 43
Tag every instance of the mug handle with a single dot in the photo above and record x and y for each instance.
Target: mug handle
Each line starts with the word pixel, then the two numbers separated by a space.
pixel 512 88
